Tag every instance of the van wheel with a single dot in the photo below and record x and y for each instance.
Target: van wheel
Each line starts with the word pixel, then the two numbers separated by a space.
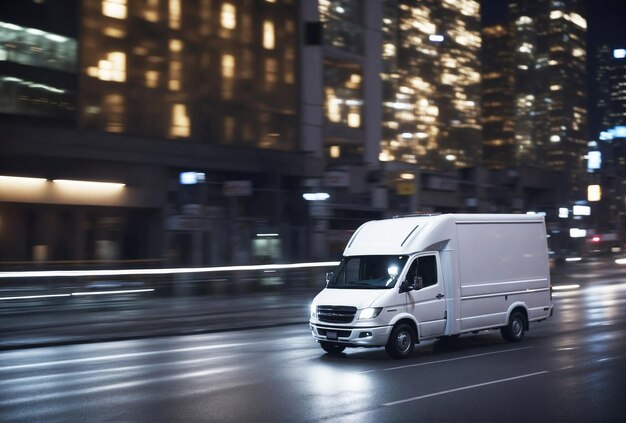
pixel 401 341
pixel 515 329
pixel 331 347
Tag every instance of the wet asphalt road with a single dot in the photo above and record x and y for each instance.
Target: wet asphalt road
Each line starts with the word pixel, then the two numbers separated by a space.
pixel 571 368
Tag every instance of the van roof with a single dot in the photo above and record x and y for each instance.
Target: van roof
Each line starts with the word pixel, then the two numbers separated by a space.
pixel 399 235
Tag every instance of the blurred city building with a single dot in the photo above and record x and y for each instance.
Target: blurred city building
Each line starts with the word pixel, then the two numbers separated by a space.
pixel 534 104
pixel 340 66
pixel 431 83
pixel 143 94
pixel 607 155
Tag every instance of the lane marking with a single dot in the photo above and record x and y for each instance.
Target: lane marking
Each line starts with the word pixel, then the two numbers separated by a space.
pixel 449 359
pixel 463 388
pixel 117 356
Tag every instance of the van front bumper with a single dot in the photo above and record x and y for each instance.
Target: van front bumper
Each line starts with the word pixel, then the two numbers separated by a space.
pixel 351 336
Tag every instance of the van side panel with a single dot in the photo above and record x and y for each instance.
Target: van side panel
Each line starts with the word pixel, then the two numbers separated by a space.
pixel 502 263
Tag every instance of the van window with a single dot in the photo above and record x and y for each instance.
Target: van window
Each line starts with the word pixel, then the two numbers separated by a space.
pixel 368 272
pixel 426 268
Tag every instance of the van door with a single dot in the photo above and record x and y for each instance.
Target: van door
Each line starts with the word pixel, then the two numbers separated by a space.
pixel 427 301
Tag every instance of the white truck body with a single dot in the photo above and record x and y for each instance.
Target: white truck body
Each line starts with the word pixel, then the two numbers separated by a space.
pixel 444 275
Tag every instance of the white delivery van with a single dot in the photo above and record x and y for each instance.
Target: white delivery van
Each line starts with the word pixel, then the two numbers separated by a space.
pixel 407 279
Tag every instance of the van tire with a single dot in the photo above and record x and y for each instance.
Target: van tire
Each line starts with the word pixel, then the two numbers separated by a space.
pixel 516 328
pixel 332 348
pixel 401 341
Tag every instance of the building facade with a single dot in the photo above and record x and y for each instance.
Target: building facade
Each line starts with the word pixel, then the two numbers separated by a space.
pixel 498 98
pixel 107 109
pixel 543 43
pixel 431 57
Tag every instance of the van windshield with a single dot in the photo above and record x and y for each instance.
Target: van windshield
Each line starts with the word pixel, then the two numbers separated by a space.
pixel 368 272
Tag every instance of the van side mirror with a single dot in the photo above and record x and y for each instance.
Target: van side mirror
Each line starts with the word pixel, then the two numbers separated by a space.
pixel 417 284
pixel 329 276
pixel 405 286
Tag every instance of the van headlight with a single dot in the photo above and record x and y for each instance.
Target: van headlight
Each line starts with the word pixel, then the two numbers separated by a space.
pixel 313 310
pixel 370 313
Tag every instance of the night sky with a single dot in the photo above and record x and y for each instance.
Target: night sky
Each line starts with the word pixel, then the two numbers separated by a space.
pixel 606 19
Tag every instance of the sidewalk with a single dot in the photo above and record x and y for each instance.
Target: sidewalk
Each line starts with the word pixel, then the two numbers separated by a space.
pixel 136 317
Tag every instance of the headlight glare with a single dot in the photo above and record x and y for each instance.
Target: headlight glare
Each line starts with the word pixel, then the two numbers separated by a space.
pixel 370 313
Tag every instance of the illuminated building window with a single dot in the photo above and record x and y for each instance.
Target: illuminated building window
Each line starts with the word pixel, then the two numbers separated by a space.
pixel 556 14
pixel 268 35
pixel 151 11
pixel 176 46
pixel 343 92
pixel 389 50
pixel 354 118
pixel 180 126
pixel 113 68
pixel 176 69
pixel 594 193
pixel 110 31
pixel 228 17
pixel 335 151
pixel 228 66
pixel 152 79
pixel 228 75
pixel 175 13
pixel 578 20
pixel 333 111
pixel 525 48
pixel 354 82
pixel 114 9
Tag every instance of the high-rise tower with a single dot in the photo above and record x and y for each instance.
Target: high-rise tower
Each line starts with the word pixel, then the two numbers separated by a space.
pixel 431 79
pixel 549 84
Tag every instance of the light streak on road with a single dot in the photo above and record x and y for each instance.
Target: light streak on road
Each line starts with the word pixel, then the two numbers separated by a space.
pixel 158 271
pixel 32 297
pixel 127 291
pixel 78 294
pixel 565 287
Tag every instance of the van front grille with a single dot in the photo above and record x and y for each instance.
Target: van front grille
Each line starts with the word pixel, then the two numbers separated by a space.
pixel 336 314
